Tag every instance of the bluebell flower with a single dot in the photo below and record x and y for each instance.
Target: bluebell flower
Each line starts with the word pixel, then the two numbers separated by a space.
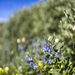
pixel 22 60
pixel 11 63
pixel 20 47
pixel 45 49
pixel 35 67
pixel 49 61
pixel 35 52
pixel 27 58
pixel 38 55
pixel 41 45
pixel 4 68
pixel 57 54
pixel 51 54
pixel 39 40
pixel 21 71
pixel 45 59
pixel 34 44
pixel 22 51
pixel 30 71
pixel 45 41
pixel 31 64
pixel 30 59
pixel 58 51
pixel 49 49
pixel 50 44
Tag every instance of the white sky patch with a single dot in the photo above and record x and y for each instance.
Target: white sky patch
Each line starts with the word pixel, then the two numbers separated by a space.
pixel 3 19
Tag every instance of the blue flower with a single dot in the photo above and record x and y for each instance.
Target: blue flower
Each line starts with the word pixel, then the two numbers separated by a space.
pixel 35 52
pixel 49 61
pixel 30 71
pixel 45 41
pixel 21 71
pixel 4 67
pixel 31 64
pixel 35 67
pixel 50 44
pixel 45 49
pixel 27 58
pixel 41 45
pixel 57 54
pixel 22 60
pixel 12 63
pixel 20 47
pixel 30 59
pixel 58 50
pixel 22 51
pixel 51 54
pixel 39 40
pixel 45 59
pixel 49 49
pixel 34 44
pixel 38 55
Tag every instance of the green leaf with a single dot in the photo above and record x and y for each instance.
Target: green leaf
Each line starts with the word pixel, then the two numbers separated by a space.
pixel 59 45
pixel 52 38
pixel 66 71
pixel 55 72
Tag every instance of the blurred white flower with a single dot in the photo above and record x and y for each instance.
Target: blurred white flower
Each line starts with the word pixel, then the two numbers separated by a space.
pixel 56 40
pixel 23 39
pixel 49 37
pixel 74 28
pixel 18 40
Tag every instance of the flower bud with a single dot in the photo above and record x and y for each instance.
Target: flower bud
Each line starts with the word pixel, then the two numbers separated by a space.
pixel 49 37
pixel 18 40
pixel 56 40
pixel 23 40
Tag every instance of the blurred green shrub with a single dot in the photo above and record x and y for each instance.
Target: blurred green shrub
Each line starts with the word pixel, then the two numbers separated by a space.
pixel 38 20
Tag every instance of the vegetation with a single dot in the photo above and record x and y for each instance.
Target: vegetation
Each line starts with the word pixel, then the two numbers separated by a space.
pixel 28 47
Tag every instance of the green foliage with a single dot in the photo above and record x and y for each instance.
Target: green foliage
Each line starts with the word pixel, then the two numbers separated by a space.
pixel 38 20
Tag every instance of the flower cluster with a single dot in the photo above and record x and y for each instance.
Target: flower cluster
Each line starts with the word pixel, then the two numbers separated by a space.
pixel 40 58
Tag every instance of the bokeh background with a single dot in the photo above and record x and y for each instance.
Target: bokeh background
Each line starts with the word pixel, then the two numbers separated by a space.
pixel 30 20
pixel 25 18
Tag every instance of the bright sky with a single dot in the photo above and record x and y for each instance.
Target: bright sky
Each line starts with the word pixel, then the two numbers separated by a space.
pixel 8 7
